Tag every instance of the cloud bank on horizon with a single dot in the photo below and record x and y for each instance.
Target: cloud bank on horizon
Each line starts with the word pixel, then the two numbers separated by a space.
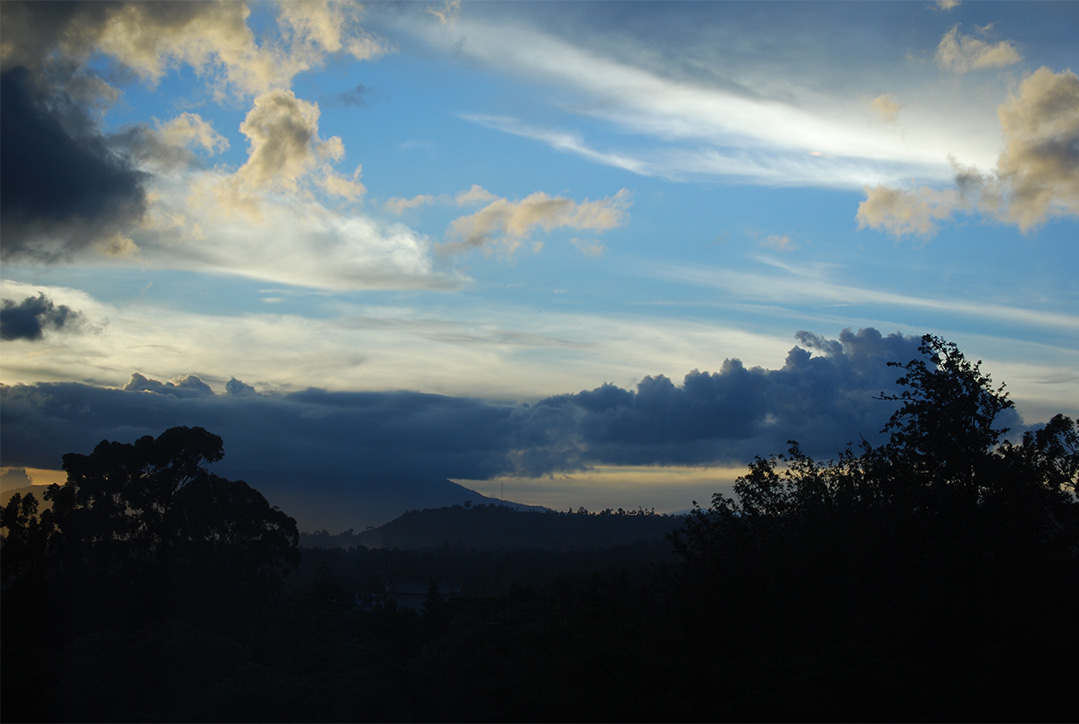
pixel 824 395
pixel 455 208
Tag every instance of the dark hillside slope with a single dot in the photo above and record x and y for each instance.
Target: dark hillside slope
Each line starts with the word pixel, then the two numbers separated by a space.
pixel 497 527
pixel 359 502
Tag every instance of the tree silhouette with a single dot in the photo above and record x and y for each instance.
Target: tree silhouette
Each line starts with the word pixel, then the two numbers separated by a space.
pixel 943 434
pixel 143 530
pixel 945 554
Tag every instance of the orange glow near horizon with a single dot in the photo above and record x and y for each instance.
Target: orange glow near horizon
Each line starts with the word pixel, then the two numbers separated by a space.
pixel 667 489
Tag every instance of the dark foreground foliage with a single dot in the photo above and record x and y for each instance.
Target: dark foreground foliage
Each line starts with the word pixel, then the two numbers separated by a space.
pixel 935 577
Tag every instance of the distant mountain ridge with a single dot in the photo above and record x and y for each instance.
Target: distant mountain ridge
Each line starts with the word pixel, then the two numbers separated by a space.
pixel 502 527
pixel 359 503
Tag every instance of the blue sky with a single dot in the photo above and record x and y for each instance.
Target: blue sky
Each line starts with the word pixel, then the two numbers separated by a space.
pixel 505 203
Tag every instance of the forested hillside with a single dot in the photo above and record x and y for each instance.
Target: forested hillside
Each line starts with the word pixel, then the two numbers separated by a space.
pixel 933 577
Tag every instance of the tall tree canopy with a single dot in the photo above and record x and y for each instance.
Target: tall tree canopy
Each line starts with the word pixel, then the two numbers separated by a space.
pixel 943 489
pixel 944 550
pixel 144 527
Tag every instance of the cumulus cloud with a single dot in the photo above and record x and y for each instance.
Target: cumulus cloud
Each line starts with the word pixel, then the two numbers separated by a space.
pixel 399 205
pixel 885 107
pixel 30 318
pixel 281 130
pixel 284 147
pixel 331 27
pixel 902 212
pixel 958 53
pixel 947 5
pixel 475 195
pixel 823 400
pixel 187 386
pixel 1036 175
pixel 511 223
pixel 267 219
pixel 68 188
pixel 169 146
pixel 1040 161
pixel 189 129
pixel 347 187
pixel 213 38
pixel 285 240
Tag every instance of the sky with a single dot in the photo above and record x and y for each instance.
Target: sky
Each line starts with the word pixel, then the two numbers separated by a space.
pixel 571 253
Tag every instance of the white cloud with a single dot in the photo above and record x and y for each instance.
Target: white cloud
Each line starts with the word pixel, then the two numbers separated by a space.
pixel 800 285
pixel 511 222
pixel 1040 161
pixel 265 221
pixel 282 133
pixel 399 205
pixel 284 239
pixel 285 155
pixel 189 129
pixel 958 53
pixel 475 195
pixel 346 187
pixel 568 143
pixel 903 212
pixel 330 27
pixel 711 125
pixel 174 144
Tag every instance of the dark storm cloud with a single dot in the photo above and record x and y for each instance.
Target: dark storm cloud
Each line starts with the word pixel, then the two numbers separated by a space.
pixel 63 187
pixel 313 438
pixel 30 318
pixel 32 30
pixel 823 396
pixel 37 34
pixel 823 400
